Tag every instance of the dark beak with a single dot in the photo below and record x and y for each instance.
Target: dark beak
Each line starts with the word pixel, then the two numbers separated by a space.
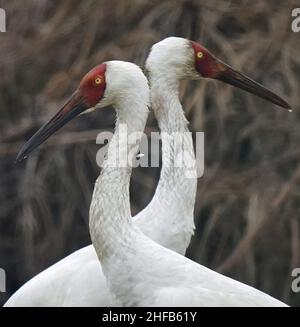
pixel 230 76
pixel 72 108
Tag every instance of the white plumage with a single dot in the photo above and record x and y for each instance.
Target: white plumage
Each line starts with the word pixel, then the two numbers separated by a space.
pixel 139 271
pixel 168 220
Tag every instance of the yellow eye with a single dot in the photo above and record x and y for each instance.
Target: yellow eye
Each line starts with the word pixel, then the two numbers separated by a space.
pixel 98 80
pixel 199 54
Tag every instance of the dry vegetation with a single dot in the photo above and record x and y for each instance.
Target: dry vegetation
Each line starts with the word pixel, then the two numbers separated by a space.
pixel 248 202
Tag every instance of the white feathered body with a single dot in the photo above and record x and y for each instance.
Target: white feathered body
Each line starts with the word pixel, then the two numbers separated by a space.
pixel 139 271
pixel 151 275
pixel 78 280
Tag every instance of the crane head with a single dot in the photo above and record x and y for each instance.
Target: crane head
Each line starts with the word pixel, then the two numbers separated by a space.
pixel 88 94
pixel 175 58
pixel 92 85
pixel 208 66
pixel 115 83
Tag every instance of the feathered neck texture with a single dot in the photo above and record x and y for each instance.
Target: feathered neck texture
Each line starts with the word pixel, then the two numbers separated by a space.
pixel 110 217
pixel 172 206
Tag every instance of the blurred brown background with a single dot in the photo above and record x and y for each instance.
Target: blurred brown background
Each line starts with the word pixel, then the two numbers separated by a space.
pixel 247 208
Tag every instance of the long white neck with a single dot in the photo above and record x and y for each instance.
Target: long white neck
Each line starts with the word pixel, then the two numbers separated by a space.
pixel 110 218
pixel 174 199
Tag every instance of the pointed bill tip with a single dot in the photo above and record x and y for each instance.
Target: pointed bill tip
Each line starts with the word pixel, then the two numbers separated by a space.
pixel 20 157
pixel 235 78
pixel 285 105
pixel 72 108
pixel 282 103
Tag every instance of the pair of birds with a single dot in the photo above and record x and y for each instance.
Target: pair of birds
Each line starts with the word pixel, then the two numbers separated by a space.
pixel 142 258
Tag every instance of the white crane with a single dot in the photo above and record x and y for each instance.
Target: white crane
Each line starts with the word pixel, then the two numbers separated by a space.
pixel 168 219
pixel 138 270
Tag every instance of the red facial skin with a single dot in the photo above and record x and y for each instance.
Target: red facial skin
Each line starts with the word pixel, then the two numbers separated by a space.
pixel 208 65
pixel 88 87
